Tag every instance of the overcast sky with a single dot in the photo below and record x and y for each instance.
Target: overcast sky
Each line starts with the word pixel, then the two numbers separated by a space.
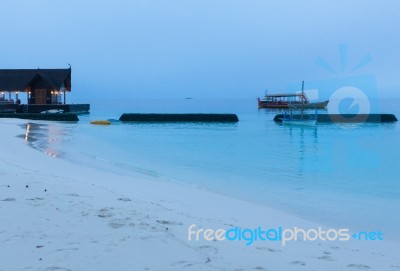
pixel 201 48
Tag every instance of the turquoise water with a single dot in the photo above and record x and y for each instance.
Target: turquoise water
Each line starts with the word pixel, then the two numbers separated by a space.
pixel 340 175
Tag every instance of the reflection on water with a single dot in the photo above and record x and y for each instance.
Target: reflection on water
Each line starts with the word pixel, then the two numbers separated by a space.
pixel 28 130
pixel 305 142
pixel 44 137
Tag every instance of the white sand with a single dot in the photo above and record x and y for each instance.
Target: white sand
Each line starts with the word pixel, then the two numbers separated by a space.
pixel 93 220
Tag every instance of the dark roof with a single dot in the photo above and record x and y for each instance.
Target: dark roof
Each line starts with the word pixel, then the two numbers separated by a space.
pixel 20 79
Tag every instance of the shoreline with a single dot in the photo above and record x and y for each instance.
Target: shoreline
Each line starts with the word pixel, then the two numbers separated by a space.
pixel 72 217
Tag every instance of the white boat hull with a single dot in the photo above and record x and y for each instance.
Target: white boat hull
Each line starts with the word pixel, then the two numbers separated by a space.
pixel 53 111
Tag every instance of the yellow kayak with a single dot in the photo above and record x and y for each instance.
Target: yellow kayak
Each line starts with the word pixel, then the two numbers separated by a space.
pixel 100 122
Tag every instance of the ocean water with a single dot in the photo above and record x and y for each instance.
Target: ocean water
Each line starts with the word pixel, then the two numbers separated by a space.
pixel 343 175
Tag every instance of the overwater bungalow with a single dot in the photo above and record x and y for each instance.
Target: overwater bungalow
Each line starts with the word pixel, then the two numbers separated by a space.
pixel 41 90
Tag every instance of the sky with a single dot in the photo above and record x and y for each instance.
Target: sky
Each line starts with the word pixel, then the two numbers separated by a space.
pixel 202 48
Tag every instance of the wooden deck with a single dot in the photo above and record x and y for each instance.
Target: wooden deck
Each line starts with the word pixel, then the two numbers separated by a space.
pixel 39 116
pixel 67 108
pixel 8 107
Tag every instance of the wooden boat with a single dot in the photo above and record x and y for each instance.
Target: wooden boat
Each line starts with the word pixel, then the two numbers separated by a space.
pixel 298 100
pixel 283 101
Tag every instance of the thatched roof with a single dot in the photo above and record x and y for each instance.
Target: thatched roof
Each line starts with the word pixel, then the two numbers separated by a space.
pixel 22 79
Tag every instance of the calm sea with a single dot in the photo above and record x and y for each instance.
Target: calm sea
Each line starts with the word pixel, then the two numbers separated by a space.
pixel 340 175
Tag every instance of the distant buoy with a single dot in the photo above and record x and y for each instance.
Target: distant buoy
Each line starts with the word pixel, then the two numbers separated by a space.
pixel 100 122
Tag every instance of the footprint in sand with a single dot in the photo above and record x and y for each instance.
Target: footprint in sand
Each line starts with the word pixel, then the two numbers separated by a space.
pixel 56 268
pixel 35 199
pixel 301 263
pixel 72 195
pixel 84 213
pixel 118 223
pixel 182 263
pixel 326 258
pixel 8 199
pixel 104 213
pixel 124 199
pixel 209 249
pixel 67 249
pixel 166 222
pixel 269 249
pixel 359 266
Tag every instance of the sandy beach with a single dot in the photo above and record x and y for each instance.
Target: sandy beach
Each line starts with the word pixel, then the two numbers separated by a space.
pixel 57 215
